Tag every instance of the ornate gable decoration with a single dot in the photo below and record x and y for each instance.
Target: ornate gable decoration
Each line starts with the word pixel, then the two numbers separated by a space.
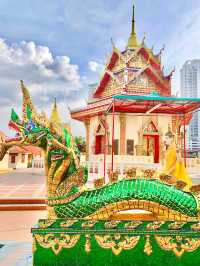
pixel 137 70
pixel 150 128
pixel 100 130
pixel 132 73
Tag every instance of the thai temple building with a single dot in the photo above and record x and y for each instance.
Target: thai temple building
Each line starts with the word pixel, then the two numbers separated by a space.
pixel 136 138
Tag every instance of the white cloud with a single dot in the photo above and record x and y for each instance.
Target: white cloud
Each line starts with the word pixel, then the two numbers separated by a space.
pixel 44 64
pixel 121 44
pixel 47 76
pixel 36 65
pixel 95 66
pixel 25 53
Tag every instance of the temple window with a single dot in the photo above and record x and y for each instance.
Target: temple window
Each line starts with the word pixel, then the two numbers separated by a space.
pixel 23 158
pixel 12 158
pixel 116 147
pixel 130 147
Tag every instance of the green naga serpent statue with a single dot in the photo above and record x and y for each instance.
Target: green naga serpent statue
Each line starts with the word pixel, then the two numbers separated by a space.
pixel 68 196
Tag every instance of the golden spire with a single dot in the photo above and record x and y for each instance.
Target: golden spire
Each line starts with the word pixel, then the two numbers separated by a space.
pixel 55 118
pixel 132 41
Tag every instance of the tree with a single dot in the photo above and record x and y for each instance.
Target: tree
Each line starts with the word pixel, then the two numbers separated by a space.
pixel 81 143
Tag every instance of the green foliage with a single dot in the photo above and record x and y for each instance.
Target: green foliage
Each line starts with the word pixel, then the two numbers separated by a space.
pixel 85 174
pixel 81 143
pixel 29 165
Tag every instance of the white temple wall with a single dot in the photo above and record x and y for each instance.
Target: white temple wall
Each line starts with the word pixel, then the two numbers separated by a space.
pixel 163 123
pixel 133 125
pixel 109 121
pixel 93 126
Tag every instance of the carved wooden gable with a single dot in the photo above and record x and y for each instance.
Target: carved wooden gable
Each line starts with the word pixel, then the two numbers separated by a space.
pixel 150 128
pixel 131 73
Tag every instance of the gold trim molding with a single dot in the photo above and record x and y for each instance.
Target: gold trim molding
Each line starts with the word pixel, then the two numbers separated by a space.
pixel 56 243
pixel 178 244
pixel 117 242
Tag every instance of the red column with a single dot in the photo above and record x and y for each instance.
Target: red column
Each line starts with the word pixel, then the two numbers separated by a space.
pixel 87 126
pixel 105 151
pixel 184 143
pixel 147 145
pixel 113 131
pixel 122 119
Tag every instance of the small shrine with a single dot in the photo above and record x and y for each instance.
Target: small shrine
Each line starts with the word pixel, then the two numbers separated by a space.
pixel 143 111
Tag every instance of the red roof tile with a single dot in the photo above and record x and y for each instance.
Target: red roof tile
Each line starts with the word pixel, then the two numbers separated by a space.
pixel 16 149
pixel 26 149
pixel 34 150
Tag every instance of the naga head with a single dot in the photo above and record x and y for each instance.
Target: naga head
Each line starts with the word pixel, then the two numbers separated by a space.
pixel 36 129
pixel 33 128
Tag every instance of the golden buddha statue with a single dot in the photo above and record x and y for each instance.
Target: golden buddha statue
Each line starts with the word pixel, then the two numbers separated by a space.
pixel 174 171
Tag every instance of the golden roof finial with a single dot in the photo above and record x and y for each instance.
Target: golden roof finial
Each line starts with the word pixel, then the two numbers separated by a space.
pixel 55 118
pixel 112 42
pixel 132 41
pixel 143 39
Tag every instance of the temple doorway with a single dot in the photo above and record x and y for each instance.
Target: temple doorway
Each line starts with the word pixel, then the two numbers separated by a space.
pixel 100 139
pixel 151 141
pixel 100 144
pixel 152 146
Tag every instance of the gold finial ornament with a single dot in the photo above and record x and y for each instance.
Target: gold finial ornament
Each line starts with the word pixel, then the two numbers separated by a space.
pixel 55 118
pixel 132 41
pixel 112 42
pixel 143 39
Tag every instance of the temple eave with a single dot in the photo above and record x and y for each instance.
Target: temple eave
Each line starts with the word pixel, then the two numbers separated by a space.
pixel 86 113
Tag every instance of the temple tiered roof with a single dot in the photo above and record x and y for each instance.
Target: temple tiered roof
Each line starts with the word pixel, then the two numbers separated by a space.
pixel 135 71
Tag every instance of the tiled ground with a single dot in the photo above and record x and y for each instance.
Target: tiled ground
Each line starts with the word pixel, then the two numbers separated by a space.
pixel 16 254
pixel 16 225
pixel 25 183
pixel 15 235
pixel 23 191
pixel 15 232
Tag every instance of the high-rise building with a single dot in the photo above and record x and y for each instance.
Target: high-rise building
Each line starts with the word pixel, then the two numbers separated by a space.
pixel 190 87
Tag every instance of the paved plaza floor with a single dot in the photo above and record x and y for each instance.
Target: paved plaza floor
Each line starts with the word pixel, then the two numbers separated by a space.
pixel 23 183
pixel 16 254
pixel 16 238
pixel 15 226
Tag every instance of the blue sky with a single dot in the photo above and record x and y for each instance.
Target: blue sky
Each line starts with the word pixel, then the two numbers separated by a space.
pixel 59 47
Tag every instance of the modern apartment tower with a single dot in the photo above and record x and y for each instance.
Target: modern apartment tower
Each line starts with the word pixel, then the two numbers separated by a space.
pixel 190 87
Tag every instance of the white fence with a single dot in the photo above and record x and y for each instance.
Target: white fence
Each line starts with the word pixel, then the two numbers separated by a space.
pixel 121 163
pixel 38 163
pixel 193 162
